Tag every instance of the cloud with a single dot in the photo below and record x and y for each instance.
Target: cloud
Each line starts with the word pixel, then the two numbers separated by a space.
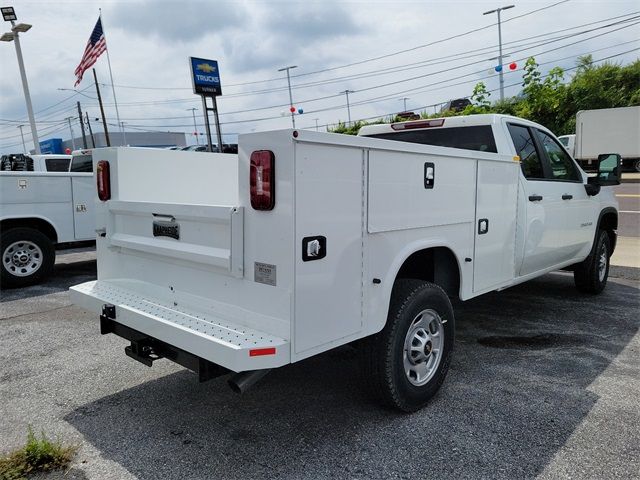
pixel 182 22
pixel 276 37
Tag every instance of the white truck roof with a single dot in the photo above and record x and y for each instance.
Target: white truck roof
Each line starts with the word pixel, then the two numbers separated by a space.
pixel 447 122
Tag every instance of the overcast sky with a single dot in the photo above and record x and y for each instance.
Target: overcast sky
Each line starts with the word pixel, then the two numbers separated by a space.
pixel 149 43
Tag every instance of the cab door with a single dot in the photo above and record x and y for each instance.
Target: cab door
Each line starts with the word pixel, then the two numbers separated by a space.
pixel 545 236
pixel 580 209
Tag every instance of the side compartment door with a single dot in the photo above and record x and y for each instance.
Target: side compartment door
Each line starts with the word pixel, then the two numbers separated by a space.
pixel 496 213
pixel 329 224
pixel 84 194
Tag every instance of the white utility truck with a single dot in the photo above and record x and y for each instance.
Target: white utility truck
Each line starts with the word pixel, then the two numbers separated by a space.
pixel 40 210
pixel 607 130
pixel 306 241
pixel 35 163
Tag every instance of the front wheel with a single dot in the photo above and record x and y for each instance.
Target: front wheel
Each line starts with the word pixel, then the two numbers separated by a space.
pixel 27 257
pixel 408 360
pixel 591 275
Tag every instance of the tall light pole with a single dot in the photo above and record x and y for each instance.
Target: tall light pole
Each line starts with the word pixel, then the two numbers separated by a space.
pixel 293 118
pixel 73 137
pixel 195 127
pixel 316 120
pixel 404 99
pixel 24 147
pixel 347 92
pixel 500 72
pixel 9 16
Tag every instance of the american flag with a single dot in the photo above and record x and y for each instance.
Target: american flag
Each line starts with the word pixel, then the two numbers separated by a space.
pixel 95 47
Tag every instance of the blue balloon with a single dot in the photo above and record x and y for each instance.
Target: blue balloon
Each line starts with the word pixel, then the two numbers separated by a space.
pixel 300 110
pixel 498 68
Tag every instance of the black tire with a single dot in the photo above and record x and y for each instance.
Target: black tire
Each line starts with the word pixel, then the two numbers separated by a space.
pixel 636 165
pixel 39 263
pixel 590 276
pixel 384 352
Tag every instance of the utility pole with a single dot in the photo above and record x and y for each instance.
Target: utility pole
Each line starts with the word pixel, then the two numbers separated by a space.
pixel 293 119
pixel 316 119
pixel 24 147
pixel 104 120
pixel 84 137
pixel 73 137
pixel 195 127
pixel 347 92
pixel 93 140
pixel 124 134
pixel 404 99
pixel 9 15
pixel 501 70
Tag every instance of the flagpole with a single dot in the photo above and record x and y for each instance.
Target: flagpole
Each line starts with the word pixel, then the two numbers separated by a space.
pixel 113 88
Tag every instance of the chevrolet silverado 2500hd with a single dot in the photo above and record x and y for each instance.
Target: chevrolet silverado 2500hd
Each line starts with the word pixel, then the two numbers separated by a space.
pixel 306 241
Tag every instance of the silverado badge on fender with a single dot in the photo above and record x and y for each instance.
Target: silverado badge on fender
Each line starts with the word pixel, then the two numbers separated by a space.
pixel 166 229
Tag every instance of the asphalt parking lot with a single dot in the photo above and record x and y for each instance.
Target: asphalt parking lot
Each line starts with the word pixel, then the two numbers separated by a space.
pixel 544 382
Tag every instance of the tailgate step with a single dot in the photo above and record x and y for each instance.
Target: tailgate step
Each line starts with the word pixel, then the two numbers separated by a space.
pixel 217 340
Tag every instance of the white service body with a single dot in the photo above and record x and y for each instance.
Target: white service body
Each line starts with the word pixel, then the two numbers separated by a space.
pixel 234 285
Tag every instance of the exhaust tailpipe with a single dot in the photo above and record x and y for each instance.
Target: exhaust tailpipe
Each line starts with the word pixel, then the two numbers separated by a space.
pixel 243 381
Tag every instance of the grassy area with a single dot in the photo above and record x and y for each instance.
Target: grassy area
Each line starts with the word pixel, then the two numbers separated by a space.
pixel 37 455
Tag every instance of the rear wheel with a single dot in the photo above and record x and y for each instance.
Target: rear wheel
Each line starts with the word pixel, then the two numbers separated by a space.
pixel 27 257
pixel 408 360
pixel 591 275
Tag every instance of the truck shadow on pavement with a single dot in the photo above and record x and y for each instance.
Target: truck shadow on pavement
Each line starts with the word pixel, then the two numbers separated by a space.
pixel 517 389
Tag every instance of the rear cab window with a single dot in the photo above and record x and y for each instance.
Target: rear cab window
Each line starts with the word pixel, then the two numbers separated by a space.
pixel 82 163
pixel 526 149
pixel 478 138
pixel 57 164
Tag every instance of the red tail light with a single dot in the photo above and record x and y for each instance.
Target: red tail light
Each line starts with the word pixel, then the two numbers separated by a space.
pixel 262 180
pixel 103 180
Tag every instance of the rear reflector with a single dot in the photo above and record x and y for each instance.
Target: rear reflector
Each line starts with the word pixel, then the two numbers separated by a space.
pixel 258 352
pixel 262 180
pixel 438 122
pixel 103 180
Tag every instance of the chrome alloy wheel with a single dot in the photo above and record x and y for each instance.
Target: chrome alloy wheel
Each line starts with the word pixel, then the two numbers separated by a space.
pixel 423 346
pixel 602 262
pixel 22 258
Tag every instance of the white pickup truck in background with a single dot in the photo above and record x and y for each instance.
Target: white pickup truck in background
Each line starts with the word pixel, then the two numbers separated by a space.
pixel 306 241
pixel 40 210
pixel 35 163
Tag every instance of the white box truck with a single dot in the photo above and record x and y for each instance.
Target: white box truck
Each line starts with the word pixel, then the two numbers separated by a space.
pixel 607 130
pixel 306 241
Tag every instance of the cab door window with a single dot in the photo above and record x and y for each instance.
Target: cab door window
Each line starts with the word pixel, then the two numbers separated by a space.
pixel 530 161
pixel 561 167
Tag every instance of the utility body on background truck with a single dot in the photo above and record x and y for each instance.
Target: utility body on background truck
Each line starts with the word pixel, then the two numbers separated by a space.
pixel 40 210
pixel 306 241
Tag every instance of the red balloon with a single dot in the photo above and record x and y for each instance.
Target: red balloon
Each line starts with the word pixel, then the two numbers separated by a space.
pixel 67 150
pixel 513 66
pixel 292 109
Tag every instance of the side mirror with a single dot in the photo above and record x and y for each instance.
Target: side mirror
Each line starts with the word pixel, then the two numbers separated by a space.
pixel 609 170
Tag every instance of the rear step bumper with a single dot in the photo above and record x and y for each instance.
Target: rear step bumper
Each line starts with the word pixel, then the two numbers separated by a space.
pixel 159 328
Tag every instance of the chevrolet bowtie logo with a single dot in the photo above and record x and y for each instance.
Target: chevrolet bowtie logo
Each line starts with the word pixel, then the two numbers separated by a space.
pixel 205 67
